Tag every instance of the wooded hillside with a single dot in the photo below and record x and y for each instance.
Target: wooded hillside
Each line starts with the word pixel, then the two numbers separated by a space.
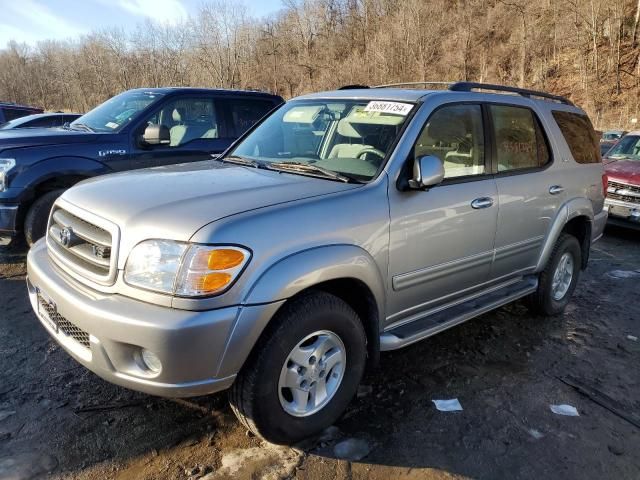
pixel 584 49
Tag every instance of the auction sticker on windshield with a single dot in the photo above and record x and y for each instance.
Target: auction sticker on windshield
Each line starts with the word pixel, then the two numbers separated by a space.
pixel 389 107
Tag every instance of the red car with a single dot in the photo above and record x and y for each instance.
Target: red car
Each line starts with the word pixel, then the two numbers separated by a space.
pixel 622 165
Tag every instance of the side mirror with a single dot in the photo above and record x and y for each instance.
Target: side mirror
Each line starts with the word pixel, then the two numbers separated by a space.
pixel 427 172
pixel 156 135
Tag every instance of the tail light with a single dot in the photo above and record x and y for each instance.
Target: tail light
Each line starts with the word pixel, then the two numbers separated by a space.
pixel 605 184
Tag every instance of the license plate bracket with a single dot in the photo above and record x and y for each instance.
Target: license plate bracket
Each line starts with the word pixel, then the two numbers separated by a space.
pixel 47 310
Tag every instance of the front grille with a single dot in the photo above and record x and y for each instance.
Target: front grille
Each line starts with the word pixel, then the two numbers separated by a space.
pixel 623 192
pixel 81 245
pixel 64 325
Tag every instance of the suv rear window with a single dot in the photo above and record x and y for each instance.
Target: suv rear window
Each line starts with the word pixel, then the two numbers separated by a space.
pixel 580 136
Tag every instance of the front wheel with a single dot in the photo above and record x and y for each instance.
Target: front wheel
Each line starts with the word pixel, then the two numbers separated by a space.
pixel 559 278
pixel 304 371
pixel 35 222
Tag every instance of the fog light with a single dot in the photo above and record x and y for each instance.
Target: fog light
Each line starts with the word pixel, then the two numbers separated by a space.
pixel 151 360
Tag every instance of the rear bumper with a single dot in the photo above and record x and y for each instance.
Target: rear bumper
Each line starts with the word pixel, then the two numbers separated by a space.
pixel 107 332
pixel 597 227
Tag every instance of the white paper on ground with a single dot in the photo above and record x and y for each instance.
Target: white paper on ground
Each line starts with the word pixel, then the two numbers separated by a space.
pixel 452 405
pixel 567 410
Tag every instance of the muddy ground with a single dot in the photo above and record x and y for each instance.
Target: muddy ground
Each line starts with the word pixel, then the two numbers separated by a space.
pixel 58 420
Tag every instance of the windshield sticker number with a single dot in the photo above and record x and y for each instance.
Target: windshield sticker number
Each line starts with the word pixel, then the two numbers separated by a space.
pixel 396 108
pixel 111 125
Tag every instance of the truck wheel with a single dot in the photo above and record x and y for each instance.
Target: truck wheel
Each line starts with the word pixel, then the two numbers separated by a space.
pixel 35 223
pixel 303 372
pixel 558 280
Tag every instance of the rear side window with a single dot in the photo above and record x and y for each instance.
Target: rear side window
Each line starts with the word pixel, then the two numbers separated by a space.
pixel 520 142
pixel 580 136
pixel 245 113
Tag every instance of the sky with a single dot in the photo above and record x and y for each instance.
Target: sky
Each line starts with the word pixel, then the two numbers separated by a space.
pixel 30 21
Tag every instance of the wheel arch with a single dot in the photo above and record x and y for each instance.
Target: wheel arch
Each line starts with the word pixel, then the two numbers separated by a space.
pixel 575 217
pixel 345 271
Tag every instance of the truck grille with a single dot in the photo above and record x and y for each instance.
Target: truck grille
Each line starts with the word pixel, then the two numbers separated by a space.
pixel 80 245
pixel 64 325
pixel 623 192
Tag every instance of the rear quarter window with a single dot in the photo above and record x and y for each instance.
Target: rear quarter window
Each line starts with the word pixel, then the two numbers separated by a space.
pixel 245 113
pixel 579 134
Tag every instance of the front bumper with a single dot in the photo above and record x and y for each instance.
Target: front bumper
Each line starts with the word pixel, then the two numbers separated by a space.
pixel 623 213
pixel 8 220
pixel 105 333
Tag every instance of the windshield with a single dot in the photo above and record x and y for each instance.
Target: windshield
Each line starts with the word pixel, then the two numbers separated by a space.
pixel 627 148
pixel 611 136
pixel 115 113
pixel 346 137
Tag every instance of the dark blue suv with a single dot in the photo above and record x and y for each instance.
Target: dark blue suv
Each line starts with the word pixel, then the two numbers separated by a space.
pixel 136 129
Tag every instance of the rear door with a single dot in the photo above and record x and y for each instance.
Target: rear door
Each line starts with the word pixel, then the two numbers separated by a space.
pixel 197 126
pixel 529 195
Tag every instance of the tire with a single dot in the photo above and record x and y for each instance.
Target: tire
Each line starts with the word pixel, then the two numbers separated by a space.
pixel 256 397
pixel 544 301
pixel 35 223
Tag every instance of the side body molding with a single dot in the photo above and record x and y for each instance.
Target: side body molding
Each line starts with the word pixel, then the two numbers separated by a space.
pixel 286 278
pixel 571 209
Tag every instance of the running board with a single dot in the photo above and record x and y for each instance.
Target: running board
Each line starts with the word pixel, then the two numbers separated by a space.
pixel 429 325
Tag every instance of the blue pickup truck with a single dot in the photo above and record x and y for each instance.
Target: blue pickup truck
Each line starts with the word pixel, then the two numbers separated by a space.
pixel 136 129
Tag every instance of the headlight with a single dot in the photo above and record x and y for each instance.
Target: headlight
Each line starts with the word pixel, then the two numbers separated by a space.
pixel 183 269
pixel 6 164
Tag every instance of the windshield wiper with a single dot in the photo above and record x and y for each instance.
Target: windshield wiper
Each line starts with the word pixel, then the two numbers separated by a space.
pixel 312 169
pixel 82 126
pixel 241 161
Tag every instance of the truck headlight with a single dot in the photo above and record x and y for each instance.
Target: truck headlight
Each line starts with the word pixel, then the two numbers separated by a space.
pixel 183 269
pixel 6 164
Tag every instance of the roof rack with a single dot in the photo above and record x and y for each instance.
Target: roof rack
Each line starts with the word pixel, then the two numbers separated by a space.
pixel 470 86
pixel 448 84
pixel 353 87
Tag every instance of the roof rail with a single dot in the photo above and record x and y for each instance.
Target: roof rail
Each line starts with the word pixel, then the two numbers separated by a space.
pixel 448 84
pixel 352 87
pixel 470 86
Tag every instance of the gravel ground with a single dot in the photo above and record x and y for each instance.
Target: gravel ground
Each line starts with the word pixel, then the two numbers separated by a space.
pixel 58 420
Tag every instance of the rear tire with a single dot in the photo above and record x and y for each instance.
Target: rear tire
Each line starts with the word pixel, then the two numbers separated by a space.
pixel 558 280
pixel 35 223
pixel 258 397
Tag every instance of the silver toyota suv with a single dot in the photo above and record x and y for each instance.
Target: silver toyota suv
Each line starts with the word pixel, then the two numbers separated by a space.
pixel 344 224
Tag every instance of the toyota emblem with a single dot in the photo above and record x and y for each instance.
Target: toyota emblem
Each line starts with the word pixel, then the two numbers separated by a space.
pixel 65 236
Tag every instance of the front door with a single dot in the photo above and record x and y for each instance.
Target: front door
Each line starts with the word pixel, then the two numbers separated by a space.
pixel 197 131
pixel 442 239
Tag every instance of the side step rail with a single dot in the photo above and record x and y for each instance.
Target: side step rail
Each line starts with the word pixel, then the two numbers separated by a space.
pixel 429 325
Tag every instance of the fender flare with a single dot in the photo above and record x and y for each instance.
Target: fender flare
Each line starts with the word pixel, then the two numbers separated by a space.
pixel 575 207
pixel 288 277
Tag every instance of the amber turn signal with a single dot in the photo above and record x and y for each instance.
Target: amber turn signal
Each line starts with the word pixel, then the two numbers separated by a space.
pixel 210 282
pixel 224 259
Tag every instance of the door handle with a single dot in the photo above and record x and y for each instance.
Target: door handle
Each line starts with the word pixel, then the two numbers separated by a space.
pixel 556 189
pixel 482 202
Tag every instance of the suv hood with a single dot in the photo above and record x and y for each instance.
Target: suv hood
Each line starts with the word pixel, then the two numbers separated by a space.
pixel 174 202
pixel 34 137
pixel 627 171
